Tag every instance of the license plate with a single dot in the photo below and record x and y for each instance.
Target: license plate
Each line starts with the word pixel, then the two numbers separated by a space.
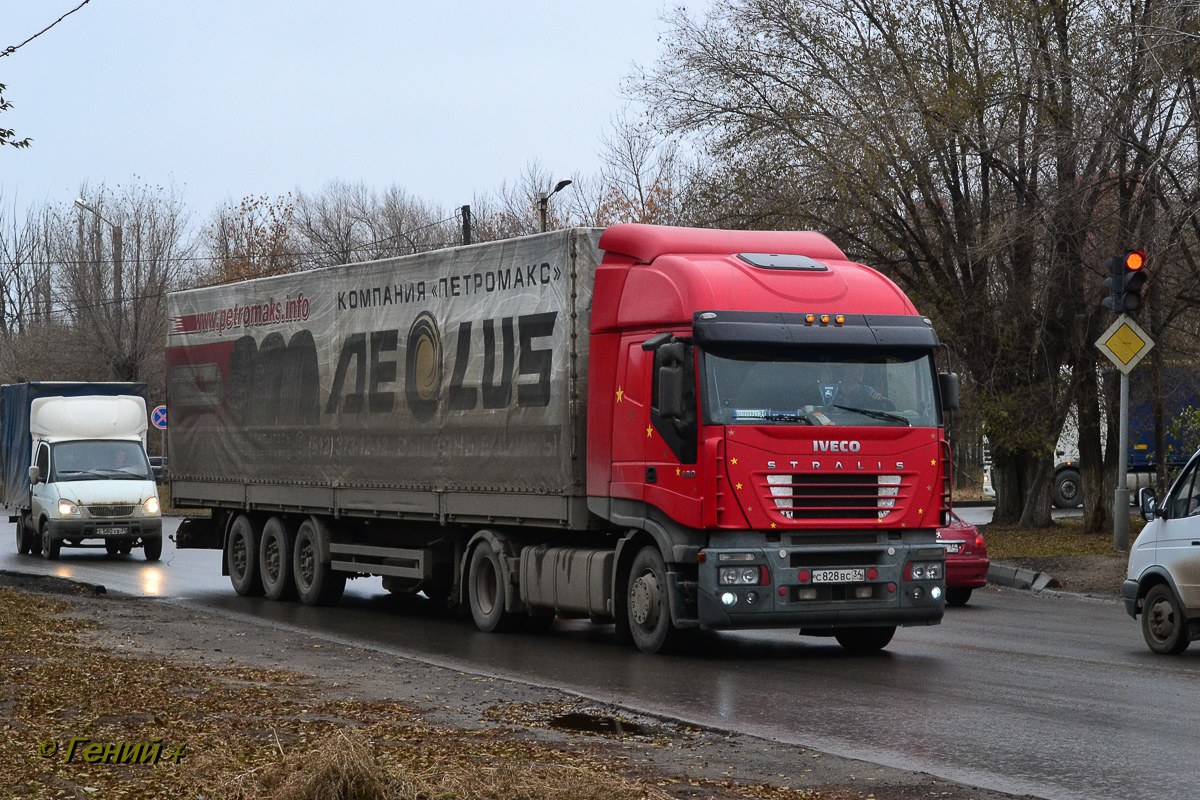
pixel 110 531
pixel 952 547
pixel 839 575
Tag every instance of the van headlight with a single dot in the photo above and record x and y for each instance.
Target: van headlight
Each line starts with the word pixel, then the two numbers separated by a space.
pixel 151 505
pixel 67 509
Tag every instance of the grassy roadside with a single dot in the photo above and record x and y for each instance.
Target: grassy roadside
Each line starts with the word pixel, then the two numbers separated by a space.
pixel 269 734
pixel 1064 538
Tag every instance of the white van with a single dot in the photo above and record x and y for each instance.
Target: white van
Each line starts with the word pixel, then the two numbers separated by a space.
pixel 90 477
pixel 1163 580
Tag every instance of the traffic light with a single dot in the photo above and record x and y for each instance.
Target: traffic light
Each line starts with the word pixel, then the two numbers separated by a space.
pixel 1125 280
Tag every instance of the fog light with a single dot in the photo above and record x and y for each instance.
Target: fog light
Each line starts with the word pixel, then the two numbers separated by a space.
pixel 729 598
pixel 751 598
pixel 918 593
pixel 807 593
pixel 935 592
pixel 863 593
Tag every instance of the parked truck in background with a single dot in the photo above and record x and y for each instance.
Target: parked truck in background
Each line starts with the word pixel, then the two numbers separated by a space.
pixel 75 469
pixel 656 427
pixel 1181 388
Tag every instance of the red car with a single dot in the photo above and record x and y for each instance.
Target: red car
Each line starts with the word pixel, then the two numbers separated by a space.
pixel 966 559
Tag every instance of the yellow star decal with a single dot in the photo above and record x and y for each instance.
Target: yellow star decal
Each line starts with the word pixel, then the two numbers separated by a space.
pixel 772 524
pixel 678 471
pixel 933 462
pixel 649 431
pixel 739 486
pixel 734 462
pixel 920 511
pixel 620 394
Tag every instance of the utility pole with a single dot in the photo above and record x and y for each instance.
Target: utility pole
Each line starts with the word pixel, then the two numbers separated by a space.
pixel 466 224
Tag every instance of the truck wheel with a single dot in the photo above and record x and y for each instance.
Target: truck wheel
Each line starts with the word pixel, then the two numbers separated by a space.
pixel 485 590
pixel 1067 489
pixel 317 584
pixel 1163 624
pixel 957 596
pixel 25 538
pixel 152 548
pixel 649 604
pixel 275 560
pixel 50 545
pixel 865 640
pixel 242 556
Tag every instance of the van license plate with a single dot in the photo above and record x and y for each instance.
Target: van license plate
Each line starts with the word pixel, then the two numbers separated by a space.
pixel 110 531
pixel 839 575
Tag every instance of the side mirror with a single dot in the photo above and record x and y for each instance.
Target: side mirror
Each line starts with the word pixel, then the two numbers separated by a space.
pixel 35 475
pixel 948 383
pixel 1148 503
pixel 670 391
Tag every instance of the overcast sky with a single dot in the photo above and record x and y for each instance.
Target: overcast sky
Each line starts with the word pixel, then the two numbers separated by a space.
pixel 230 98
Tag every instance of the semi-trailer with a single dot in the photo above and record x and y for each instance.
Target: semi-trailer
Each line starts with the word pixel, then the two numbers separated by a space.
pixel 663 428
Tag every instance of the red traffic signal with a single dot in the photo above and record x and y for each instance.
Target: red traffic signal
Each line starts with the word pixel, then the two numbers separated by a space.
pixel 1125 281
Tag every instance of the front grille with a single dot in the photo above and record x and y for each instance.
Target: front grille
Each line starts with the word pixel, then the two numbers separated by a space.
pixel 109 512
pixel 822 496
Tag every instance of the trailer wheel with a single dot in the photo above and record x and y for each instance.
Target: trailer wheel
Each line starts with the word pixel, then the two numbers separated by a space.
pixel 50 546
pixel 317 583
pixel 152 548
pixel 649 604
pixel 275 560
pixel 865 640
pixel 485 590
pixel 1163 624
pixel 242 555
pixel 1067 492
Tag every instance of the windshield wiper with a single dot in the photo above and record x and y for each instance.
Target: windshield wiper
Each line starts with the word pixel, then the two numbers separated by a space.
pixel 867 412
pixel 91 473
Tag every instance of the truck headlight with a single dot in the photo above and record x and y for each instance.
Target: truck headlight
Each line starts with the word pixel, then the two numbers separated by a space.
pixel 742 576
pixel 67 509
pixel 151 505
pixel 925 571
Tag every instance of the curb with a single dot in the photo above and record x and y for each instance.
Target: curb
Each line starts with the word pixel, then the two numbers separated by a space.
pixel 1017 578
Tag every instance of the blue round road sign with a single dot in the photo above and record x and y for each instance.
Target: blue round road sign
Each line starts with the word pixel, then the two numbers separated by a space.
pixel 158 417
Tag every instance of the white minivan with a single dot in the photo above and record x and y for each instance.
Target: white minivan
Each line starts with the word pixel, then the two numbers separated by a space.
pixel 1163 580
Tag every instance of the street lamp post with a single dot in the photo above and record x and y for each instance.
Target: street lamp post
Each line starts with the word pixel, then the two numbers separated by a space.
pixel 118 287
pixel 544 202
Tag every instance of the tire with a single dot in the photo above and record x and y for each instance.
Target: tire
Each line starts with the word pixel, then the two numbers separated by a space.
pixel 241 554
pixel 24 539
pixel 275 560
pixel 649 604
pixel 152 548
pixel 957 596
pixel 865 640
pixel 1068 489
pixel 1163 624
pixel 112 546
pixel 485 590
pixel 125 548
pixel 317 584
pixel 51 547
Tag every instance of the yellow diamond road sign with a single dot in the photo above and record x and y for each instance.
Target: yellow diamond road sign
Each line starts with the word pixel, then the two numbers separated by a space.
pixel 1125 343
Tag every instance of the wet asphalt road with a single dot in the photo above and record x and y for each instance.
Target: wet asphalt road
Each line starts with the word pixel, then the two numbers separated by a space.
pixel 1052 696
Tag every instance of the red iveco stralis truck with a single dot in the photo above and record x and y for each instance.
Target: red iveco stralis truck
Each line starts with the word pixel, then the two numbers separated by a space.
pixel 668 429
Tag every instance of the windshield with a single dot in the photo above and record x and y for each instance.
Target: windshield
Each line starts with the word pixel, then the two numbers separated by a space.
pixel 826 386
pixel 99 460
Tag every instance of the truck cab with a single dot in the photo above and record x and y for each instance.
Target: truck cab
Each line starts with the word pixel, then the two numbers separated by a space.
pixel 90 478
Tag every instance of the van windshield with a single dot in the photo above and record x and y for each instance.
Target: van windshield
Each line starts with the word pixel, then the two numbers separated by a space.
pixel 99 460
pixel 820 386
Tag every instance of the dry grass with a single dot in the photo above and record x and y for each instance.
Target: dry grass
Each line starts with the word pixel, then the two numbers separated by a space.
pixel 1064 538
pixel 253 734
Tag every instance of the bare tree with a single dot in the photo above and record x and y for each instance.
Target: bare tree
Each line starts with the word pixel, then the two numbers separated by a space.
pixel 988 156
pixel 252 239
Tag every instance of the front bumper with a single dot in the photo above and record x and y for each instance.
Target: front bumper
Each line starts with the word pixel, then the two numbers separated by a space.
pixel 80 529
pixel 891 599
pixel 1129 593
